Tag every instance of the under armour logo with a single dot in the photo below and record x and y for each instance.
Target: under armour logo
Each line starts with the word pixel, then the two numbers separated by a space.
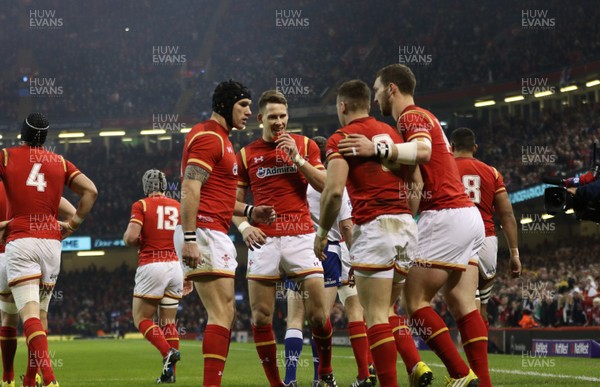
pixel 258 159
pixel 230 149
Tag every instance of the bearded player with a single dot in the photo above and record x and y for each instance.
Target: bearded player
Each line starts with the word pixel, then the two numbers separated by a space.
pixel 34 179
pixel 209 179
pixel 451 231
pixel 385 236
pixel 485 187
pixel 159 278
pixel 278 167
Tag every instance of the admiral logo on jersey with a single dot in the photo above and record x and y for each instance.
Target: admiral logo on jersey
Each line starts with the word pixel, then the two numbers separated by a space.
pixel 263 172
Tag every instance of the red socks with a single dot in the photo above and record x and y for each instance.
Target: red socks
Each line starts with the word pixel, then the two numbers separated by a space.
pixel 8 344
pixel 322 337
pixel 360 346
pixel 384 353
pixel 475 343
pixel 435 334
pixel 37 343
pixel 155 336
pixel 264 339
pixel 405 344
pixel 215 348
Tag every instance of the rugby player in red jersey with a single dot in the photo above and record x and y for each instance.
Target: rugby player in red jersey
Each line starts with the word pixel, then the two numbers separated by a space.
pixel 159 278
pixel 485 187
pixel 34 179
pixel 208 200
pixel 450 227
pixel 8 309
pixel 277 168
pixel 385 236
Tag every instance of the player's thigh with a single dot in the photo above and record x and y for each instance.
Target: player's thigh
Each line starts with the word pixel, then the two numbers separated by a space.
pixel 422 283
pixel 354 311
pixel 217 294
pixel 143 309
pixel 459 291
pixel 262 301
pixel 374 295
pixel 295 310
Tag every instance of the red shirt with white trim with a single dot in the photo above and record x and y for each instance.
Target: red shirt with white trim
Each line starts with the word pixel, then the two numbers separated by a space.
pixel 275 180
pixel 158 215
pixel 34 179
pixel 482 182
pixel 374 190
pixel 207 146
pixel 443 187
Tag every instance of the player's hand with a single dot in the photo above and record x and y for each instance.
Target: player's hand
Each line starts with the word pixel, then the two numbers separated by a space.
pixel 254 237
pixel 515 266
pixel 287 143
pixel 190 254
pixel 319 248
pixel 572 190
pixel 188 286
pixel 264 214
pixel 65 229
pixel 351 280
pixel 356 145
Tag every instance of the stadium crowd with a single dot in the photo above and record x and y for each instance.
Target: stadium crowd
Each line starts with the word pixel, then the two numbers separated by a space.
pixel 118 75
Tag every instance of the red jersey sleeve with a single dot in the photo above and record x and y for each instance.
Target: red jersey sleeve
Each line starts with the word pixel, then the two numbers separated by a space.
pixel 416 124
pixel 499 182
pixel 137 212
pixel 3 159
pixel 242 162
pixel 314 154
pixel 331 149
pixel 71 172
pixel 205 150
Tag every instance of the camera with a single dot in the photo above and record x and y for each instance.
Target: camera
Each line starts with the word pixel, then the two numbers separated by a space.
pixel 558 199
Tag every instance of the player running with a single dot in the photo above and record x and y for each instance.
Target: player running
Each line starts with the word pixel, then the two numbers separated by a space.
pixel 277 168
pixel 385 236
pixel 485 187
pixel 209 173
pixel 159 278
pixel 34 179
pixel 450 227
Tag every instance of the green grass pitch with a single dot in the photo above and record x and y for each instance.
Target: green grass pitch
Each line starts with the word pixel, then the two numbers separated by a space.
pixel 136 363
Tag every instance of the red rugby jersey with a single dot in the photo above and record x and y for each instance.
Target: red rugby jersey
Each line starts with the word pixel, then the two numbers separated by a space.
pixel 158 215
pixel 374 190
pixel 482 182
pixel 34 179
pixel 207 146
pixel 275 180
pixel 443 187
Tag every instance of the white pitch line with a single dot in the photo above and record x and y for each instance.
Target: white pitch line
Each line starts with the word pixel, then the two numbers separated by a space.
pixel 495 370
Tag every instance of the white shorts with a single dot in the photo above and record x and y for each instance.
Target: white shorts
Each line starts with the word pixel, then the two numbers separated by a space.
pixel 293 256
pixel 488 257
pixel 4 288
pixel 384 247
pixel 449 238
pixel 33 258
pixel 159 279
pixel 218 254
